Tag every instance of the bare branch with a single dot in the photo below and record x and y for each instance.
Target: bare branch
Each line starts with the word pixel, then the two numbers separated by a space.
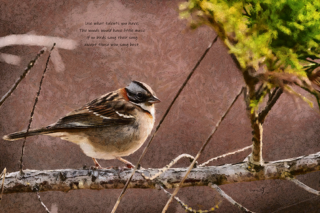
pixel 225 155
pixel 73 179
pixel 174 161
pixel 164 169
pixel 261 91
pixel 39 198
pixel 246 100
pixel 35 40
pixel 26 71
pixel 2 185
pixel 164 116
pixel 32 111
pixel 273 99
pixel 200 151
pixel 189 209
pixel 228 198
pixel 305 187
pixel 272 94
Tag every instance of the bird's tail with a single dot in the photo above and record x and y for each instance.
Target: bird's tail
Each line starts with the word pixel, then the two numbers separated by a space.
pixel 18 135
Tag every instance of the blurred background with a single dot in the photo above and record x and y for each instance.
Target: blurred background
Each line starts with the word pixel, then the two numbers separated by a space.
pixel 166 53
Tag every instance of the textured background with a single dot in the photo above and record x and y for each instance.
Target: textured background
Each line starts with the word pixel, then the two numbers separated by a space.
pixel 166 53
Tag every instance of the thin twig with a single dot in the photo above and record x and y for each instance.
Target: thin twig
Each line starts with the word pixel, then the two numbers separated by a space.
pixel 313 92
pixel 273 99
pixel 39 198
pixel 189 209
pixel 260 90
pixel 164 169
pixel 246 99
pixel 174 161
pixel 228 198
pixel 304 186
pixel 201 150
pixel 2 185
pixel 32 112
pixel 25 72
pixel 272 94
pixel 225 155
pixel 294 204
pixel 164 116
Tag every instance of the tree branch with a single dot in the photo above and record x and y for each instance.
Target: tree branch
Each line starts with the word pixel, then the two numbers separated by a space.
pixel 261 91
pixel 273 99
pixel 189 209
pixel 25 72
pixel 3 173
pixel 225 155
pixel 257 131
pixel 229 199
pixel 304 186
pixel 174 161
pixel 44 206
pixel 33 108
pixel 251 81
pixel 72 179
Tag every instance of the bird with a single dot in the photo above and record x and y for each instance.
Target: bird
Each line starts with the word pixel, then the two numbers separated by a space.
pixel 109 127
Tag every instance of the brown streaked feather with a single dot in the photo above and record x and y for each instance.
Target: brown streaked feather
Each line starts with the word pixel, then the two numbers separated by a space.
pixel 109 109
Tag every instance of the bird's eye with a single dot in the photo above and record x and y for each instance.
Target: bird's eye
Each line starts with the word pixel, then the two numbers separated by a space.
pixel 139 95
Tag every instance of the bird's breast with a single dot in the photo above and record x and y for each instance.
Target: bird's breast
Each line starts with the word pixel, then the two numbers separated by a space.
pixel 118 141
pixel 113 141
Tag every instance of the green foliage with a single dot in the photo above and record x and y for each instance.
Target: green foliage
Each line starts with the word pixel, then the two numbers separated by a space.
pixel 271 36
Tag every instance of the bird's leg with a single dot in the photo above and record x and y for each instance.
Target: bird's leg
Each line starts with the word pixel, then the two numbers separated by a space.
pixel 128 164
pixel 97 165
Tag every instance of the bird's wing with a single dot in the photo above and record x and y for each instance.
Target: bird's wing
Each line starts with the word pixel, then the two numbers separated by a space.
pixel 109 109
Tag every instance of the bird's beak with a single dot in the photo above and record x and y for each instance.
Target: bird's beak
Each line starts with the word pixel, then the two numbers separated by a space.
pixel 153 100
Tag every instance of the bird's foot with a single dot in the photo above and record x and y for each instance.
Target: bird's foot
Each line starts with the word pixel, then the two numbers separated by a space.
pixel 95 167
pixel 100 167
pixel 122 169
pixel 129 166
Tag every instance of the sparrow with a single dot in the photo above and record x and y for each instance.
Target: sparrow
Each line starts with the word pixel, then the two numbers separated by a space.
pixel 109 127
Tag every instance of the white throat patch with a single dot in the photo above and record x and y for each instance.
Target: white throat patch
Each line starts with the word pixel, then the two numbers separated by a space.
pixel 149 108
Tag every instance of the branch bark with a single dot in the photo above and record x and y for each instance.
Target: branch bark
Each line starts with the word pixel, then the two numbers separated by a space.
pixel 72 179
pixel 257 129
